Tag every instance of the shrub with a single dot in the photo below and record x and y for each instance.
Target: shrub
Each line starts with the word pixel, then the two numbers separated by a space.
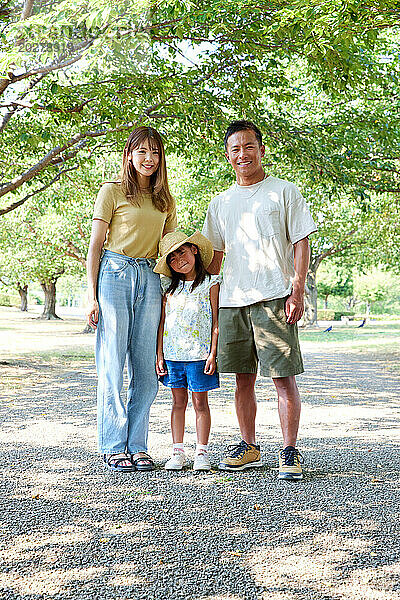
pixel 333 315
pixel 326 314
pixel 5 300
pixel 342 313
pixel 9 300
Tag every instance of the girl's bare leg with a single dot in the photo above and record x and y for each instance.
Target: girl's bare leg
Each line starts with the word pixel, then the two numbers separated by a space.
pixel 179 404
pixel 203 417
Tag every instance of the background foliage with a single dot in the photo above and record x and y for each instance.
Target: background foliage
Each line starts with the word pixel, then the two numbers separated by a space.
pixel 320 78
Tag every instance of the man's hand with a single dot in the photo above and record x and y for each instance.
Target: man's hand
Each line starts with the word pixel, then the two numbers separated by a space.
pixel 160 366
pixel 294 308
pixel 210 366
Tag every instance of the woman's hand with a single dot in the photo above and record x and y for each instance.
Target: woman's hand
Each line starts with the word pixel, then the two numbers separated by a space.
pixel 93 314
pixel 210 365
pixel 160 366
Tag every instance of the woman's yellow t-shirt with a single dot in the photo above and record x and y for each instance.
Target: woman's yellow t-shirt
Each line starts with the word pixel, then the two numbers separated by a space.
pixel 134 231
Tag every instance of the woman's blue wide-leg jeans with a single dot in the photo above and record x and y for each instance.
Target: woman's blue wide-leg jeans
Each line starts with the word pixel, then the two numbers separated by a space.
pixel 129 297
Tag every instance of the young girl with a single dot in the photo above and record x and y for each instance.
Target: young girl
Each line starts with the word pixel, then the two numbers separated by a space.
pixel 187 338
pixel 130 217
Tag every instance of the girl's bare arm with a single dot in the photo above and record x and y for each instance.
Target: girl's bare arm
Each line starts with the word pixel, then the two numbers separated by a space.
pixel 210 366
pixel 160 364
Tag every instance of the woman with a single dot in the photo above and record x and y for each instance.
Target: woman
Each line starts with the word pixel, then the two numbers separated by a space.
pixel 129 220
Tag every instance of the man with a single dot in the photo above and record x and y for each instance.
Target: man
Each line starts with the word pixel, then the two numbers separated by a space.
pixel 261 224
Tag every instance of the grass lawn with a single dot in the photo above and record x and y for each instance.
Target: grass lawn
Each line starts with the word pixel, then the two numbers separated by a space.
pixel 377 334
pixel 379 339
pixel 343 333
pixel 62 342
pixel 23 336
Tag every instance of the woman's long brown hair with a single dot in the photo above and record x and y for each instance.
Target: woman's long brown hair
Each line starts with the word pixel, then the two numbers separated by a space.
pixel 161 196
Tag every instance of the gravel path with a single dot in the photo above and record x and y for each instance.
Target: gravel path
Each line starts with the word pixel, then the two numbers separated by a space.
pixel 71 529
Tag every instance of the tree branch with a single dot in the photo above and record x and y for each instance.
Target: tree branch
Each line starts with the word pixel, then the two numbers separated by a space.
pixel 17 104
pixel 74 253
pixel 45 162
pixel 15 205
pixel 63 159
pixel 383 189
pixel 27 10
pixel 61 64
pixel 386 169
pixel 223 40
pixel 8 115
pixel 48 159
pixel 315 262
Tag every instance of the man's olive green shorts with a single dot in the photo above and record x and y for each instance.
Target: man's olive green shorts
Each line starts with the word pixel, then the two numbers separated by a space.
pixel 258 333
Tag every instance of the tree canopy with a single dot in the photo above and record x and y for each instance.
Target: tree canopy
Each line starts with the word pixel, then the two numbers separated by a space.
pixel 320 78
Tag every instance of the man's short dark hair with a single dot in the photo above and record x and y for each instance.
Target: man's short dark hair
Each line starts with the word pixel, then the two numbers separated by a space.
pixel 236 126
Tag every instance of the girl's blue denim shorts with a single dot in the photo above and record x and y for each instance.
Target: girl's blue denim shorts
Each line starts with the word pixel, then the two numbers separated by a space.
pixel 189 374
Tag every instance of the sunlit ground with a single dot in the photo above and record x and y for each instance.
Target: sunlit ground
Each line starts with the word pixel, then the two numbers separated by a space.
pixel 71 529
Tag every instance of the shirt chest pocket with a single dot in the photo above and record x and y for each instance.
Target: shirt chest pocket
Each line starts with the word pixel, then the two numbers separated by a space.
pixel 268 222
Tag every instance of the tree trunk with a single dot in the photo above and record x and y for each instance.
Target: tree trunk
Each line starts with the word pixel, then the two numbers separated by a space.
pixel 367 311
pixel 27 10
pixel 310 299
pixel 49 310
pixel 326 301
pixel 23 293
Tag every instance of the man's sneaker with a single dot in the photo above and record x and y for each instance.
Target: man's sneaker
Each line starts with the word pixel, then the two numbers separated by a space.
pixel 241 456
pixel 201 462
pixel 177 461
pixel 290 461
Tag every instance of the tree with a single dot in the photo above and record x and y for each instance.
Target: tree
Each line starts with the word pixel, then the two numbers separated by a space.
pixel 13 274
pixel 78 75
pixel 318 78
pixel 27 238
pixel 373 286
pixel 334 280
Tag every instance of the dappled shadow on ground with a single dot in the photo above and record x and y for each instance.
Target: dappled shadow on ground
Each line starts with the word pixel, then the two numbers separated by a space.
pixel 346 378
pixel 84 532
pixel 72 529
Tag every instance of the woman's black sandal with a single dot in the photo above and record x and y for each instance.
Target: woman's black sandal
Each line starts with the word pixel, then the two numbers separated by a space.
pixel 143 463
pixel 114 464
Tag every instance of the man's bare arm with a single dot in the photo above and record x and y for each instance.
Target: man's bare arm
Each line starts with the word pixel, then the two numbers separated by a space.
pixel 215 266
pixel 294 307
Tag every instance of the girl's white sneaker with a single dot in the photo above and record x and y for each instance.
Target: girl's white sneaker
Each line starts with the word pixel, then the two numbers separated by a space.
pixel 177 461
pixel 201 462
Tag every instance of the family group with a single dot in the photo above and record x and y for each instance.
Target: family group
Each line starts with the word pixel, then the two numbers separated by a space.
pixel 160 305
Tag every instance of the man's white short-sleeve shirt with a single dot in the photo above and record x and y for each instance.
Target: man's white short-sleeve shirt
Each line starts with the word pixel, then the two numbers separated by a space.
pixel 256 226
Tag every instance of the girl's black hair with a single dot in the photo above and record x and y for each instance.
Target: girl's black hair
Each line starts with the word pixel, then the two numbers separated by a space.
pixel 201 272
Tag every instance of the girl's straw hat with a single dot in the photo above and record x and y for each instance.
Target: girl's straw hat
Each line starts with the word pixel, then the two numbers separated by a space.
pixel 173 241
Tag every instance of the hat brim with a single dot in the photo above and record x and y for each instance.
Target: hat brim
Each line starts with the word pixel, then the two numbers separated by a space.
pixel 205 248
